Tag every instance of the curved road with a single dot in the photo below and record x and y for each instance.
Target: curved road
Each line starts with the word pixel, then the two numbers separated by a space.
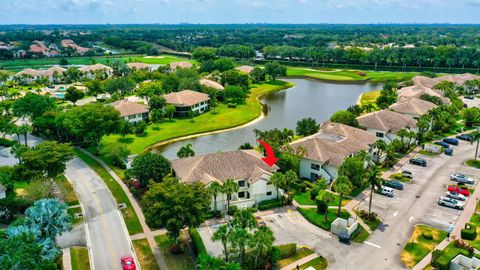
pixel 106 233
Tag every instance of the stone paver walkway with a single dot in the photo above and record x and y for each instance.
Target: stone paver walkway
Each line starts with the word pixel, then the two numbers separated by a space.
pixel 66 259
pixel 303 260
pixel 138 210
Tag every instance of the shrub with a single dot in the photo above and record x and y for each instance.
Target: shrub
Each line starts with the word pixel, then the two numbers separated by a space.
pixel 198 245
pixel 427 236
pixel 322 207
pixel 232 210
pixel 287 250
pixel 213 214
pixel 309 184
pixel 6 142
pixel 361 73
pixel 366 216
pixel 313 194
pixel 232 105
pixel 463 245
pixel 269 204
pixel 436 253
pixel 469 232
pixel 302 187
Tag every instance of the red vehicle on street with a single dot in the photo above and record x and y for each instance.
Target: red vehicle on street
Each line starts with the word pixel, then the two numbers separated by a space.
pixel 460 190
pixel 128 263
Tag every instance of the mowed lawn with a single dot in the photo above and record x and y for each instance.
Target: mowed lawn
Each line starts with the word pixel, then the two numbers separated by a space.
pixel 350 75
pixel 178 262
pixel 223 118
pixel 418 246
pixel 145 255
pixel 79 258
pixel 369 97
pixel 303 198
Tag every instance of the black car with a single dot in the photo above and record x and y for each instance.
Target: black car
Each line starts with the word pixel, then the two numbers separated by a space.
pixel 442 144
pixel 393 184
pixel 465 137
pixel 451 141
pixel 407 174
pixel 418 161
pixel 469 97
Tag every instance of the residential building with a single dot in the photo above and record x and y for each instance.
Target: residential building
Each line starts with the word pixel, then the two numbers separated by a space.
pixel 181 64
pixel 459 79
pixel 131 111
pixel 461 262
pixel 30 75
pixel 385 124
pixel 413 107
pixel 139 66
pixel 211 84
pixel 187 100
pixel 3 192
pixel 245 69
pixel 417 91
pixel 325 151
pixel 245 167
pixel 68 43
pixel 90 70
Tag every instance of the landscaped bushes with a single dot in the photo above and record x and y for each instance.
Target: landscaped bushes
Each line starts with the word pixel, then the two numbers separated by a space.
pixel 287 250
pixel 232 209
pixel 198 245
pixel 469 232
pixel 459 247
pixel 6 142
pixel 265 205
pixel 427 236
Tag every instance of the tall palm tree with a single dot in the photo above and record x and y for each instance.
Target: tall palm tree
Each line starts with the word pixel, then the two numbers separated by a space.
pixel 343 187
pixel 261 243
pixel 244 219
pixel 230 187
pixel 278 180
pixel 374 180
pixel 215 188
pixel 381 145
pixel 24 130
pixel 222 235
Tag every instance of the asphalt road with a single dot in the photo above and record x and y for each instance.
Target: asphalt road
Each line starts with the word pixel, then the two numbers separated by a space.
pixel 105 230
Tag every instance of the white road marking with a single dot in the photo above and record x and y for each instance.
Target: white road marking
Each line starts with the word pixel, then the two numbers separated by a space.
pixel 410 219
pixel 395 214
pixel 372 244
pixel 208 227
pixel 289 218
pixel 278 221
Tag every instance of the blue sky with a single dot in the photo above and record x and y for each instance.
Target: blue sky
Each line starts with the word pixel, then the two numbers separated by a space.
pixel 238 11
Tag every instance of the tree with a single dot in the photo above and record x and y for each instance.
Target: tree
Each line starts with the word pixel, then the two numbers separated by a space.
pixel 121 85
pixel 148 89
pixel 222 234
pixel 291 179
pixel 49 216
pixel 47 159
pixel 235 94
pixel 73 94
pixel 344 117
pixel 381 146
pixel 235 78
pixel 204 53
pixel 95 88
pixel 343 187
pixel 140 127
pixel 278 180
pixel 40 188
pixel 118 154
pixel 186 151
pixel 24 130
pixel 32 105
pixel 157 102
pixel 175 206
pixel 23 251
pixel 230 187
pixel 125 128
pixel 149 166
pixel 374 181
pixel 471 116
pixel 354 169
pixel 169 111
pixel 274 69
pixel 257 75
pixel 207 262
pixel 325 198
pixel 307 126
pixel 215 188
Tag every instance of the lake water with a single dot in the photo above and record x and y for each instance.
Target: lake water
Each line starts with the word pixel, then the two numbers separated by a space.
pixel 309 98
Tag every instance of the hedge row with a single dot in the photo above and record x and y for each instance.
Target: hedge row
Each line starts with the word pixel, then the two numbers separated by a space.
pixel 287 250
pixel 198 245
pixel 265 205
pixel 6 142
pixel 469 232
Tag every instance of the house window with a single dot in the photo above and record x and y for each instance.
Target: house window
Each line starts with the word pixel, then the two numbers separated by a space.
pixel 314 176
pixel 241 194
pixel 315 167
pixel 269 193
pixel 241 183
pixel 379 135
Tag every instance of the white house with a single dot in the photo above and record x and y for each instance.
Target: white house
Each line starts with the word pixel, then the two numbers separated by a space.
pixel 413 107
pixel 385 124
pixel 187 100
pixel 90 70
pixel 326 150
pixel 30 75
pixel 462 262
pixel 3 192
pixel 245 167
pixel 131 111
pixel 140 66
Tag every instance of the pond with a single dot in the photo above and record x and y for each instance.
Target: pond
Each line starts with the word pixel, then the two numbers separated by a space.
pixel 308 98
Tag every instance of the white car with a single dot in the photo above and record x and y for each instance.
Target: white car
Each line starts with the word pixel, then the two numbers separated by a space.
pixel 461 178
pixel 386 191
pixel 456 196
pixel 448 202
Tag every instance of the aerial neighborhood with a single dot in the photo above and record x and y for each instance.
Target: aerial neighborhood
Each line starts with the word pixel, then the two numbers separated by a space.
pixel 249 146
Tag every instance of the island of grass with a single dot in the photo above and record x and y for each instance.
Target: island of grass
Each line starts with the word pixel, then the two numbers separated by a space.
pixel 79 258
pixel 423 241
pixel 349 76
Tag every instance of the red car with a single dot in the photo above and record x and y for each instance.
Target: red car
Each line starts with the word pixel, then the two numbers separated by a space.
pixel 128 263
pixel 260 222
pixel 459 190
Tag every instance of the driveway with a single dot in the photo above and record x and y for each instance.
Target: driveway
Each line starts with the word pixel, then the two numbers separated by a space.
pixel 106 233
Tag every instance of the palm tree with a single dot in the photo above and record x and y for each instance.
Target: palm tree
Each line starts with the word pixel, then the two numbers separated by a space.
pixel 244 219
pixel 381 145
pixel 24 130
pixel 343 187
pixel 290 179
pixel 215 188
pixel 223 234
pixel 402 133
pixel 278 180
pixel 230 187
pixel 374 180
pixel 186 151
pixel 49 216
pixel 261 243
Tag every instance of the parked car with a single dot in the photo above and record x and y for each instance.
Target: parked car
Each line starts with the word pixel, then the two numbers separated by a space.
pixel 448 151
pixel 407 174
pixel 418 161
pixel 128 263
pixel 460 178
pixel 459 190
pixel 393 184
pixel 451 141
pixel 442 144
pixel 469 97
pixel 465 137
pixel 444 201
pixel 456 196
pixel 260 222
pixel 51 86
pixel 386 191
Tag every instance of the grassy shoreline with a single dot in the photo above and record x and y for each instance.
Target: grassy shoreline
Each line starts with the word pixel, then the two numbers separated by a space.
pixel 349 76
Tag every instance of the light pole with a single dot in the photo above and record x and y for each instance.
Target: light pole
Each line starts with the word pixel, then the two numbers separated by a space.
pixel 478 141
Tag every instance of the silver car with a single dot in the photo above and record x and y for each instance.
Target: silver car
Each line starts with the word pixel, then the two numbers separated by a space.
pixel 444 201
pixel 456 196
pixel 461 178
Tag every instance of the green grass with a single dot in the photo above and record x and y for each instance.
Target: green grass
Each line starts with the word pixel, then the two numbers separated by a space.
pixel 372 224
pixel 418 247
pixel 350 75
pixel 318 220
pixel 369 97
pixel 360 235
pixel 129 215
pixel 160 60
pixel 178 262
pixel 450 252
pixel 19 187
pixel 145 255
pixel 223 119
pixel 301 253
pixel 79 258
pixel 72 211
pixel 303 198
pixel 69 194
pixel 426 153
pixel 399 177
pixel 475 219
pixel 318 263
pixel 473 163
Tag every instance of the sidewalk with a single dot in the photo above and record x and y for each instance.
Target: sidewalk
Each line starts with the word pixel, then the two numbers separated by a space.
pixel 303 260
pixel 138 210
pixel 66 259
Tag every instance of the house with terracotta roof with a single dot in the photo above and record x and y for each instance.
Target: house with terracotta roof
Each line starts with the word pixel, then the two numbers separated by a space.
pixel 245 69
pixel 459 79
pixel 90 70
pixel 211 84
pixel 187 100
pixel 245 167
pixel 30 75
pixel 385 124
pixel 131 111
pixel 139 66
pixel 68 43
pixel 181 64
pixel 416 91
pixel 325 151
pixel 413 107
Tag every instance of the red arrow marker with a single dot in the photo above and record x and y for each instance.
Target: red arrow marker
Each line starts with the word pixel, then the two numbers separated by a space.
pixel 270 159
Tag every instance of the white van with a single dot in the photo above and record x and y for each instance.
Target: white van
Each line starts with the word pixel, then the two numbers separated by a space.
pixel 386 191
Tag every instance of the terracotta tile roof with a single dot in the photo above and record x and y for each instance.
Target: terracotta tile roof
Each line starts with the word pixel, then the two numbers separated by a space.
pixel 30 71
pixel 386 120
pixel 211 84
pixel 138 65
pixel 239 164
pixel 334 142
pixel 91 68
pixel 455 78
pixel 52 70
pixel 186 98
pixel 417 91
pixel 414 106
pixel 181 64
pixel 246 69
pixel 127 108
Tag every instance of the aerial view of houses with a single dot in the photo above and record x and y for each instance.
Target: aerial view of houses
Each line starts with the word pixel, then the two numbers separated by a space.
pixel 291 135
